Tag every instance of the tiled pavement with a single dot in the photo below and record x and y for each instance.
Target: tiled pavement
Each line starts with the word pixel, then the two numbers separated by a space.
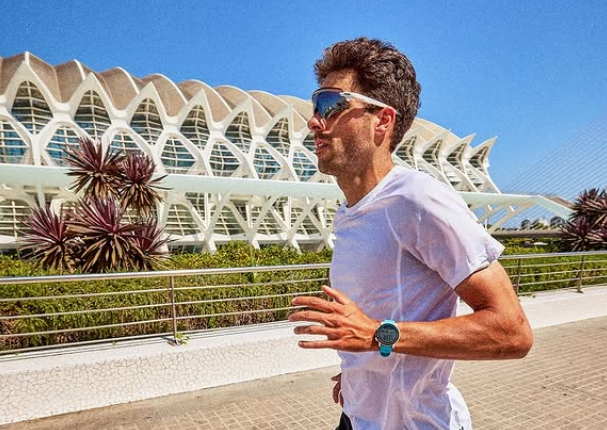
pixel 560 385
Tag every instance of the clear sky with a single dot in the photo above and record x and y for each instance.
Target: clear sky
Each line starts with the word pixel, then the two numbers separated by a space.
pixel 533 73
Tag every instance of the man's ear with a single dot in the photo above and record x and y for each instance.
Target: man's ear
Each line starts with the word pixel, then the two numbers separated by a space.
pixel 387 118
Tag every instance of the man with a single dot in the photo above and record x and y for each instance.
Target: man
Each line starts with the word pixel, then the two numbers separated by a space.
pixel 406 248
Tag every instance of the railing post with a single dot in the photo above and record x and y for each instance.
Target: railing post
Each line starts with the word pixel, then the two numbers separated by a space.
pixel 517 285
pixel 173 308
pixel 581 274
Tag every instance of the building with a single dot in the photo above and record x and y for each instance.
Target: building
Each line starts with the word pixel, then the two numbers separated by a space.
pixel 241 164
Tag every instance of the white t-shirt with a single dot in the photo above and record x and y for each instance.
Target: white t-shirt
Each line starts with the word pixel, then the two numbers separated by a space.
pixel 399 253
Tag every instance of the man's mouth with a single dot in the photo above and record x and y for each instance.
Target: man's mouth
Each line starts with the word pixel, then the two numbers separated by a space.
pixel 320 144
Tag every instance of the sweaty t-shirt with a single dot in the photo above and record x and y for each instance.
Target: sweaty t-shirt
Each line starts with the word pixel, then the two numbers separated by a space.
pixel 399 253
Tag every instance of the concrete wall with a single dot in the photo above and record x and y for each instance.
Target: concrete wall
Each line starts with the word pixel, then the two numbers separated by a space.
pixel 77 378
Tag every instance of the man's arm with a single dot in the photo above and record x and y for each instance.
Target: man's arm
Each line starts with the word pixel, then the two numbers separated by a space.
pixel 496 329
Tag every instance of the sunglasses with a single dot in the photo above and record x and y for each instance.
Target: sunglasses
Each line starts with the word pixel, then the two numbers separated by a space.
pixel 328 101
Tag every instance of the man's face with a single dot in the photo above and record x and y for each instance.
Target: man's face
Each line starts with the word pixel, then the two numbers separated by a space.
pixel 344 141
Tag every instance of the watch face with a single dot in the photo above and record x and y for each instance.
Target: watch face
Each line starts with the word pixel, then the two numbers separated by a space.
pixel 387 334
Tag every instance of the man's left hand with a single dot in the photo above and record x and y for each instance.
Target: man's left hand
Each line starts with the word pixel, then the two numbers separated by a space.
pixel 345 325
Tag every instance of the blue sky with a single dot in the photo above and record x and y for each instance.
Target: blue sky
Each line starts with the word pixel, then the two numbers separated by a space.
pixel 533 73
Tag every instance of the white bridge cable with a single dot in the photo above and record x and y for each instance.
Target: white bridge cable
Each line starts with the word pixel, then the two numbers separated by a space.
pixel 577 164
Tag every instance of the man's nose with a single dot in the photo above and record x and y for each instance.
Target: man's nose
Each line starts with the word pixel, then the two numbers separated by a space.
pixel 316 122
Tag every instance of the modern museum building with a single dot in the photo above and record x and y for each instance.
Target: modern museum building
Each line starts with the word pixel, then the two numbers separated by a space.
pixel 240 164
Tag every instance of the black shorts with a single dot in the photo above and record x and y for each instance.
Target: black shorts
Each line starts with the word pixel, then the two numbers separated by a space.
pixel 344 423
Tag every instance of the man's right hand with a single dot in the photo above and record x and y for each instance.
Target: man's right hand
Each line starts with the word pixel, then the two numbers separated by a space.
pixel 337 397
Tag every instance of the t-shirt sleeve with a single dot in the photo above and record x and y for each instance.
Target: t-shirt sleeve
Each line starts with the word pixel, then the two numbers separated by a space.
pixel 433 223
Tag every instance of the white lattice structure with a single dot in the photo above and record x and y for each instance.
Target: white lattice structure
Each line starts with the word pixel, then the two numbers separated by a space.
pixel 241 164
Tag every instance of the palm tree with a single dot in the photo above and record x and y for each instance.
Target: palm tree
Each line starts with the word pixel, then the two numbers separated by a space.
pixel 586 228
pixel 50 241
pixel 108 241
pixel 137 189
pixel 95 236
pixel 150 243
pixel 97 171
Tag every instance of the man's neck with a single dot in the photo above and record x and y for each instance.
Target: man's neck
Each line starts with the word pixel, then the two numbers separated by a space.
pixel 355 187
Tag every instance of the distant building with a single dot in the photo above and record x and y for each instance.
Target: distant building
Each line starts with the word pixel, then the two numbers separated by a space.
pixel 540 224
pixel 557 222
pixel 242 164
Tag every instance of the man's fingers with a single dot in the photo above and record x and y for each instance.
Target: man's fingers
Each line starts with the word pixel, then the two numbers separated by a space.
pixel 313 316
pixel 319 303
pixel 336 295
pixel 319 330
pixel 313 302
pixel 317 344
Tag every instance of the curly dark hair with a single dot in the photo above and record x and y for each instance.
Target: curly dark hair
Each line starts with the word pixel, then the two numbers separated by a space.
pixel 382 72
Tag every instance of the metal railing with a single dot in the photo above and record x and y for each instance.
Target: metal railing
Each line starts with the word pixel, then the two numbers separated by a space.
pixel 50 311
pixel 531 273
pixel 47 311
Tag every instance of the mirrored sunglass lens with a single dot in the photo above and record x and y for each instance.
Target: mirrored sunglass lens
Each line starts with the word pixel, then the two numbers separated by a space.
pixel 327 103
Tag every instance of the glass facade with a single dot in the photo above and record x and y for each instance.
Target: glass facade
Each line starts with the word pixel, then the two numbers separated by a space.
pixel 308 143
pixel 239 132
pixel 223 161
pixel 266 222
pixel 180 221
pixel 303 166
pixel 278 137
pixel 92 116
pixel 405 153
pixel 122 141
pixel 146 121
pixel 227 224
pixel 12 215
pixel 195 127
pixel 12 148
pixel 61 139
pixel 265 164
pixel 30 108
pixel 175 157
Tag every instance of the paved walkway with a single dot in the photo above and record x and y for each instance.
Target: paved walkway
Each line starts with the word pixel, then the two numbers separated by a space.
pixel 560 385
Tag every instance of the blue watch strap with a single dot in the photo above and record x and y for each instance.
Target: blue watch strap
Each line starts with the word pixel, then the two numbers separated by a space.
pixel 385 350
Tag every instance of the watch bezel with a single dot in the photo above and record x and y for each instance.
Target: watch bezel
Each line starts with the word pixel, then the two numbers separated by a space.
pixel 392 325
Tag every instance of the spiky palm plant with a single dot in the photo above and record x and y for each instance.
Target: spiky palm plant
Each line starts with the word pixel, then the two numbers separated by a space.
pixel 574 235
pixel 97 171
pixel 586 228
pixel 598 238
pixel 108 243
pixel 151 245
pixel 50 241
pixel 138 190
pixel 597 209
pixel 95 236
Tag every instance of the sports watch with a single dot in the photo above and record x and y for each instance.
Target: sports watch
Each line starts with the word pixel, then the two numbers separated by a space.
pixel 387 334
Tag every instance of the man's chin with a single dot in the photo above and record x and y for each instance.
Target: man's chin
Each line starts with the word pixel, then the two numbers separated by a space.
pixel 325 169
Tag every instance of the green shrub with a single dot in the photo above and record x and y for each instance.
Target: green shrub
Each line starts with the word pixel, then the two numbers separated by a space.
pixel 202 301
